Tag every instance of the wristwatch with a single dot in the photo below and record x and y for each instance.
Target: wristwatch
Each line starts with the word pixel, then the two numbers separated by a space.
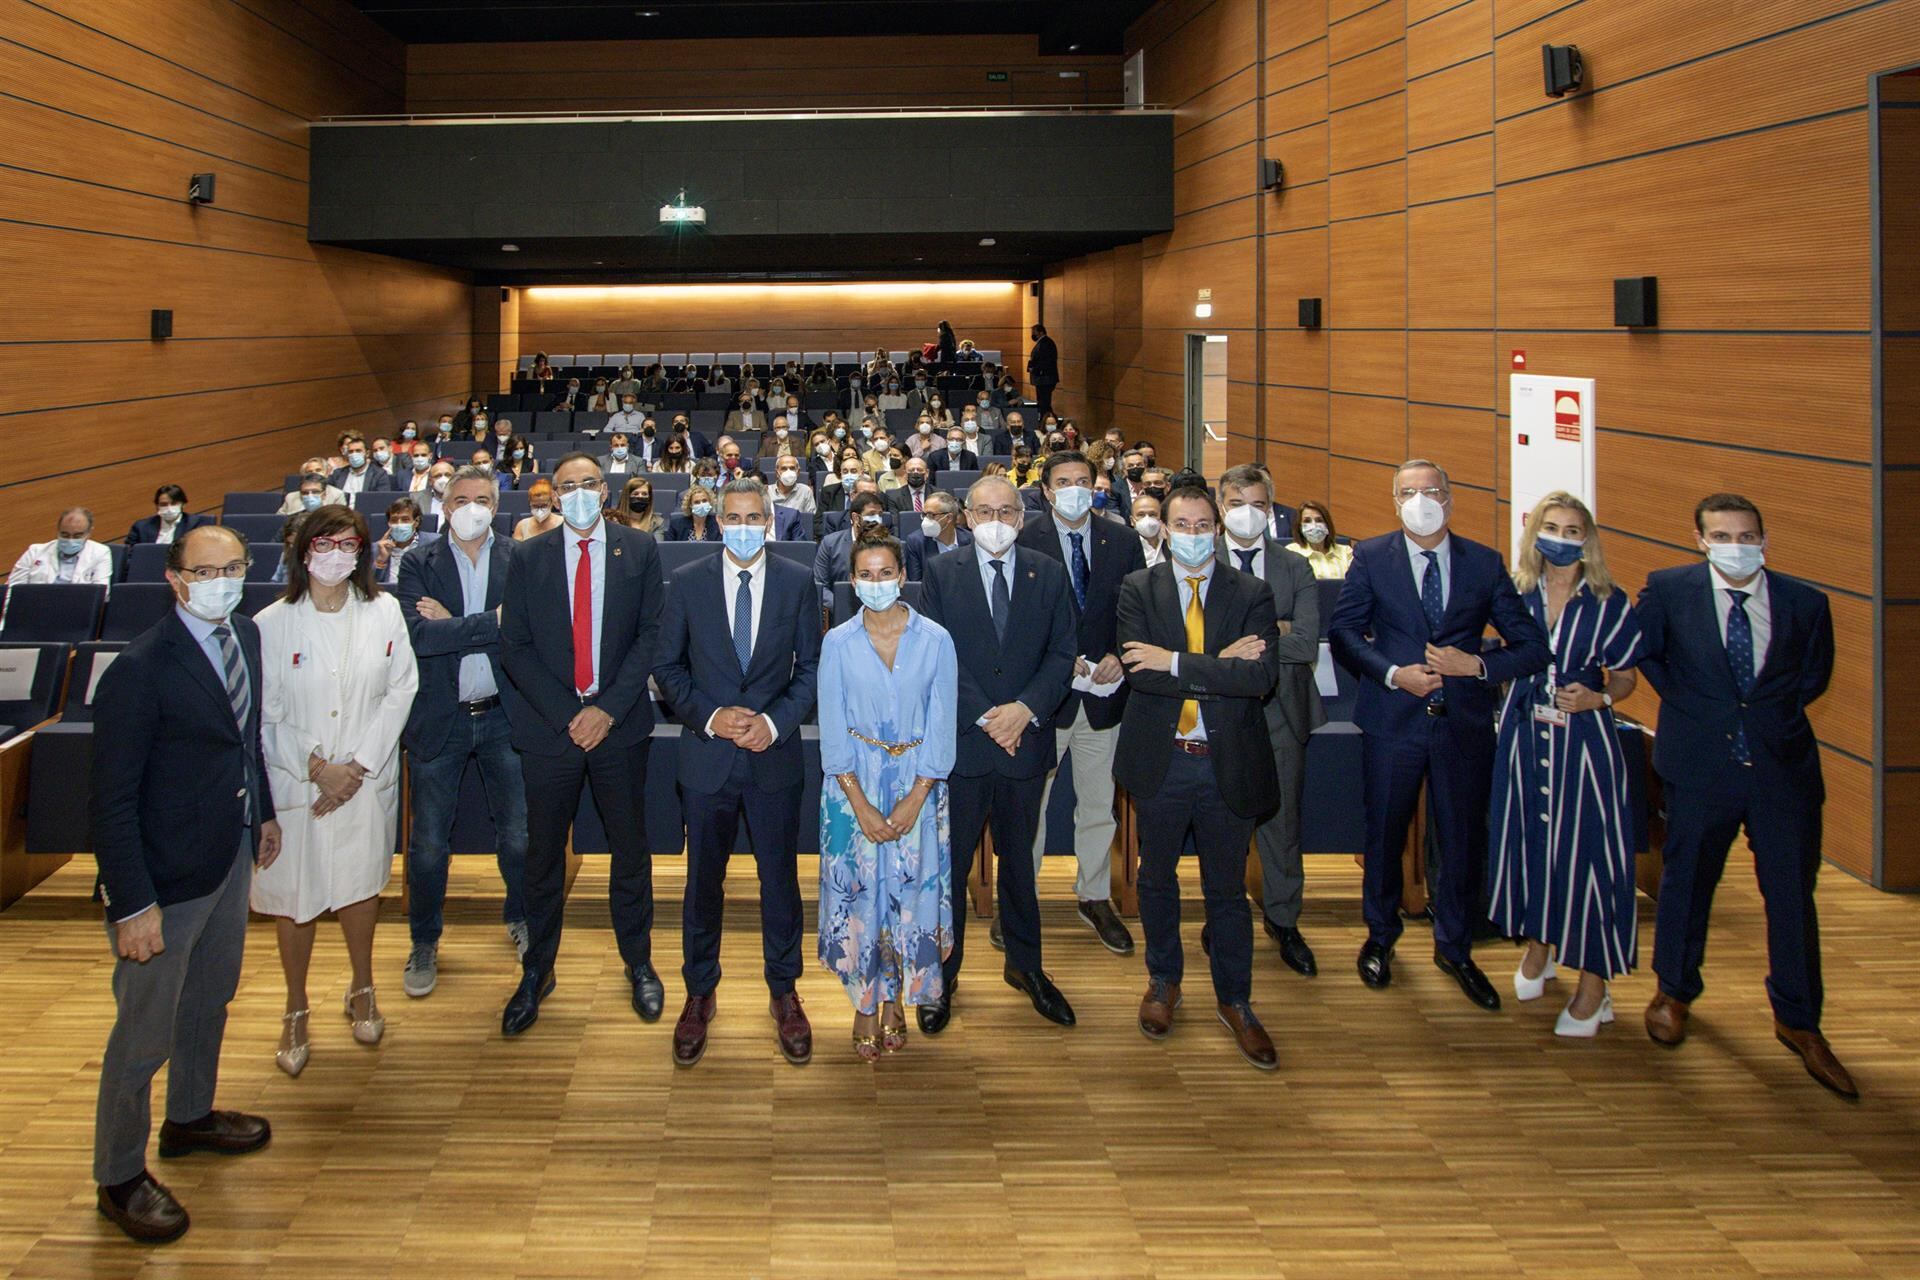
pixel 1606 698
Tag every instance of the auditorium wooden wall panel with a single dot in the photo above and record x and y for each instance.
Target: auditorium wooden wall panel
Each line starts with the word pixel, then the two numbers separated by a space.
pixel 1378 74
pixel 1357 491
pixel 1449 258
pixel 1449 104
pixel 1369 362
pixel 1368 275
pixel 1447 367
pixel 1297 358
pixel 1289 25
pixel 278 344
pixel 1365 30
pixel 1373 428
pixel 1371 133
pixel 1365 193
pixel 1298 416
pixel 1298 473
pixel 1303 152
pixel 1216 135
pixel 1230 221
pixel 1298 209
pixel 1297 267
pixel 1451 170
pixel 1848 815
pixel 1468 440
pixel 1297 107
pixel 1299 65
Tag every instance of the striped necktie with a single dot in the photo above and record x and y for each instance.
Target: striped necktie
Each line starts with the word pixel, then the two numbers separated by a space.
pixel 235 670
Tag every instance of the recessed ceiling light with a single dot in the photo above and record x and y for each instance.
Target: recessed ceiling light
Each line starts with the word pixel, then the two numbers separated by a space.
pixel 509 248
pixel 1073 48
pixel 646 13
pixel 987 242
pixel 598 263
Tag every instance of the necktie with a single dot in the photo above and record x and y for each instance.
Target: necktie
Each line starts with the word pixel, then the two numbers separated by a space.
pixel 917 500
pixel 583 619
pixel 236 675
pixel 1002 602
pixel 1079 570
pixel 1196 643
pixel 1246 559
pixel 1434 608
pixel 1740 658
pixel 743 620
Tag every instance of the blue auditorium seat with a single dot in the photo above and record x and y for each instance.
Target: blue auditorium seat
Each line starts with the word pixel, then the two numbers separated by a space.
pixel 45 667
pixel 52 613
pixel 256 528
pixel 89 661
pixel 133 607
pixel 147 562
pixel 253 504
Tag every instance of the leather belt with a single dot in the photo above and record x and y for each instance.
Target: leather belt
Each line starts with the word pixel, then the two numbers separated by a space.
pixel 1192 747
pixel 480 706
pixel 1436 708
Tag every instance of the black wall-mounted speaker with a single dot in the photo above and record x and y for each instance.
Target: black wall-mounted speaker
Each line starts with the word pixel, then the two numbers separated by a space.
pixel 1636 303
pixel 162 324
pixel 1563 68
pixel 1309 313
pixel 1273 175
pixel 200 189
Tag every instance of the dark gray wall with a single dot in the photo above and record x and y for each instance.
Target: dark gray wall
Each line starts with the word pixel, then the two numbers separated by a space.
pixel 892 192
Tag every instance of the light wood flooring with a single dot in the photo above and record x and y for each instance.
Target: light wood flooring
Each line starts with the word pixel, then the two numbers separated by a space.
pixel 1406 1134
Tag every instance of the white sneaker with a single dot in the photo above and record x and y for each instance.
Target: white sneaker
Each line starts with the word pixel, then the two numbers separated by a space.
pixel 518 932
pixel 423 971
pixel 1584 1028
pixel 1525 988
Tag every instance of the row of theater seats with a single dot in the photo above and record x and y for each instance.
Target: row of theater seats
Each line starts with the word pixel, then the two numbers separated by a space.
pixel 765 363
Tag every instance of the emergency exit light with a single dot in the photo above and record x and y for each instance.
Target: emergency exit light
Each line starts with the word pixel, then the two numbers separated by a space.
pixel 682 214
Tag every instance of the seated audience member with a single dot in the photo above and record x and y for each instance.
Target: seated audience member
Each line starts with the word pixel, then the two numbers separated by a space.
pixel 359 475
pixel 403 538
pixel 745 416
pixel 865 509
pixel 602 400
pixel 922 441
pixel 71 555
pixel 796 413
pixel 635 508
pixel 383 455
pixel 880 366
pixel 310 496
pixel 645 449
pixel 1014 430
pixel 629 419
pixel 330 496
pixel 696 441
pixel 695 521
pixel 1149 455
pixel 732 463
pixel 1153 483
pixel 1025 471
pixel 718 383
pixel 1146 523
pixel 542 371
pixel 777 441
pixel 893 472
pixel 288 533
pixel 618 460
pixel 938 413
pixel 520 466
pixel 788 489
pixel 836 486
pixel 437 476
pixel 1106 500
pixel 542 517
pixel 1313 537
pixel 986 419
pixel 483 459
pixel 570 399
pixel 968 351
pixel 655 383
pixel 411 466
pixel 674 457
pixel 917 483
pixel 500 444
pixel 873 454
pixel 169 519
pixel 892 395
pixel 625 385
pixel 938 533
pixel 820 380
pixel 956 455
pixel 409 432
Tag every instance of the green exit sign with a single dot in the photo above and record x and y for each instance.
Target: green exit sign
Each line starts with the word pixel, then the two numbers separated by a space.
pixel 995 77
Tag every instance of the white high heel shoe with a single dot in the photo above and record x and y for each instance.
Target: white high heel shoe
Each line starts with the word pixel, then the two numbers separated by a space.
pixel 1525 988
pixel 369 1029
pixel 293 1058
pixel 1584 1028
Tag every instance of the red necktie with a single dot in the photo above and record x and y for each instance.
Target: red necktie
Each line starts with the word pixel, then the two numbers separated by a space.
pixel 583 619
pixel 916 501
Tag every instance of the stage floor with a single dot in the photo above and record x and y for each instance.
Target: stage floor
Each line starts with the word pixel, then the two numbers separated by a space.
pixel 1406 1134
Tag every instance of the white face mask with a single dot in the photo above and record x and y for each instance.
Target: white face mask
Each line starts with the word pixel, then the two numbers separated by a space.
pixel 440 486
pixel 331 568
pixel 789 478
pixel 1313 531
pixel 929 527
pixel 470 521
pixel 541 513
pixel 1737 560
pixel 1422 515
pixel 1246 523
pixel 213 601
pixel 995 536
pixel 169 513
pixel 1149 527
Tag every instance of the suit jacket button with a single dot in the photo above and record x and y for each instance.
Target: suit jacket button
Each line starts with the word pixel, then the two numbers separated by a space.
pixel 241 794
pixel 996 671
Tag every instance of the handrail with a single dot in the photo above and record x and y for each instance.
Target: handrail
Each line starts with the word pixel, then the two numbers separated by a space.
pixel 740 113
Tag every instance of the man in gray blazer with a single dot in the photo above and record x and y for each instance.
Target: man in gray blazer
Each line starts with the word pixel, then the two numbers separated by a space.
pixel 1293 709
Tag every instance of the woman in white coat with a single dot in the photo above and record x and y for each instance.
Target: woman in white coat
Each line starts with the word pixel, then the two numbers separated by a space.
pixel 339 681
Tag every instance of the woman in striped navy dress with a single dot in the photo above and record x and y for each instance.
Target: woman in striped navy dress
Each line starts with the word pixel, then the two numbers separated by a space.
pixel 1562 846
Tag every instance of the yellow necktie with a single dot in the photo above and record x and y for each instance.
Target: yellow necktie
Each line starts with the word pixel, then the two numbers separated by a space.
pixel 1196 643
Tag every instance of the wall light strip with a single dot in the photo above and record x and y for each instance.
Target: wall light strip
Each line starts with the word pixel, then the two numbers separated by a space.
pixel 849 289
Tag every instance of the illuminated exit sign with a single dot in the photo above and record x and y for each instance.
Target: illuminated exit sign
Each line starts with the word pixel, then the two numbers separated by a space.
pixel 995 77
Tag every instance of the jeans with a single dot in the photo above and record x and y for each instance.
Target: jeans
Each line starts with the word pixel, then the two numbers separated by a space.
pixel 435 783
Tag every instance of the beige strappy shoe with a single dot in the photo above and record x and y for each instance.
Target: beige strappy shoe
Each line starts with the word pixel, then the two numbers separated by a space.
pixel 369 1029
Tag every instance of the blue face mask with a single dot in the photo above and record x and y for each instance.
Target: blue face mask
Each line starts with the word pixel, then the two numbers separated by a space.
pixel 1558 551
pixel 1073 502
pixel 878 596
pixel 702 508
pixel 70 547
pixel 519 454
pixel 744 541
pixel 581 508
pixel 1191 549
pixel 401 533
pixel 620 451
pixel 1099 499
pixel 310 500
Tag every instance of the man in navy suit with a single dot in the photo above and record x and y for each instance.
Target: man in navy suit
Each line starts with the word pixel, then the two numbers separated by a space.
pixel 954 456
pixel 1737 653
pixel 1014 432
pixel 170 519
pixel 586 721
pixel 1409 624
pixel 790 526
pixel 1010 613
pixel 832 559
pixel 942 518
pixel 359 475
pixel 1097 555
pixel 182 813
pixel 450 595
pixel 739 657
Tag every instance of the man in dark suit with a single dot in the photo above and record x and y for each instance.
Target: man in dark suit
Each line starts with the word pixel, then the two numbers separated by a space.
pixel 739 656
pixel 1737 654
pixel 1043 370
pixel 1015 432
pixel 182 812
pixel 1293 710
pixel 943 516
pixel 698 446
pixel 170 518
pixel 450 595
pixel 954 455
pixel 912 496
pixel 790 526
pixel 1010 614
pixel 586 720
pixel 1199 644
pixel 359 475
pixel 1097 555
pixel 1410 624
pixel 832 559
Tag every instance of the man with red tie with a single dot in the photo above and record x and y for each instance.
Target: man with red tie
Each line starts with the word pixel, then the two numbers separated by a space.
pixel 578 632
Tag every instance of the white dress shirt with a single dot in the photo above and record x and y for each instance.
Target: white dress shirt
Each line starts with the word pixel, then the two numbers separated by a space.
pixel 1180 575
pixel 354 481
pixel 1259 549
pixel 1417 562
pixel 570 539
pixel 1759 606
pixel 986 563
pixel 730 572
pixel 1063 530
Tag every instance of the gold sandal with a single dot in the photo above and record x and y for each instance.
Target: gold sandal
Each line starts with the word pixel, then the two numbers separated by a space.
pixel 866 1047
pixel 893 1034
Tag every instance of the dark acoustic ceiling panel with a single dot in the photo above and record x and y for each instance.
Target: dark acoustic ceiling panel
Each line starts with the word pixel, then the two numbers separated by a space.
pixel 1061 26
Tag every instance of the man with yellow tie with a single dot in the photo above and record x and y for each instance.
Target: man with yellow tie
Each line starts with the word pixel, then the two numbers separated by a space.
pixel 1198 640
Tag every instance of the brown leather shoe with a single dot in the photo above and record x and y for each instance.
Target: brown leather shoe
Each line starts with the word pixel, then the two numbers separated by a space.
pixel 1667 1019
pixel 796 1033
pixel 1156 1008
pixel 690 1033
pixel 227 1133
pixel 1250 1037
pixel 147 1213
pixel 1818 1055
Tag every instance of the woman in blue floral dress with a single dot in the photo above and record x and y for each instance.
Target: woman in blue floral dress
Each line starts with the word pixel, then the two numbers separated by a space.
pixel 889 683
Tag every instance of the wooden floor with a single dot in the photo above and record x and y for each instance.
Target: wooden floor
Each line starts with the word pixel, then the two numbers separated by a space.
pixel 1406 1134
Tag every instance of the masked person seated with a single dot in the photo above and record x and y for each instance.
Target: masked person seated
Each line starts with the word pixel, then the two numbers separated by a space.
pixel 71 555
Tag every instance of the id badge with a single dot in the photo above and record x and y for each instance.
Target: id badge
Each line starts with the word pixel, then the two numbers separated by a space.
pixel 1548 713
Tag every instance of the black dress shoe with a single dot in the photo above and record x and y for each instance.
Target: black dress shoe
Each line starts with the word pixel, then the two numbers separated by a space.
pixel 998 939
pixel 649 997
pixel 1293 948
pixel 227 1133
pixel 1376 964
pixel 523 1010
pixel 1107 926
pixel 933 1018
pixel 145 1210
pixel 1047 1000
pixel 1471 981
